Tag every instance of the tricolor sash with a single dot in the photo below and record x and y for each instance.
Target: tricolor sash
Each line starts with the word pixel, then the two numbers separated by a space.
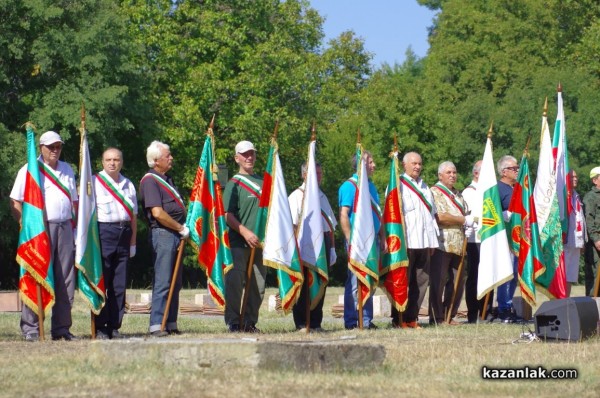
pixel 49 174
pixel 165 186
pixel 374 205
pixel 117 193
pixel 247 184
pixel 451 196
pixel 410 185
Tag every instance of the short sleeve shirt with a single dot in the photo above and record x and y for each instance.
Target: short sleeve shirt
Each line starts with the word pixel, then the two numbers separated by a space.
pixel 346 195
pixel 152 194
pixel 242 203
pixel 451 239
pixel 108 207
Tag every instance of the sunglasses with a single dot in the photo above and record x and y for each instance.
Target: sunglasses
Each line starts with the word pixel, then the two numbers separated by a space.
pixel 55 147
pixel 514 168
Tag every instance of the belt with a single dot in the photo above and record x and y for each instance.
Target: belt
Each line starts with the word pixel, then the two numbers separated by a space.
pixel 121 224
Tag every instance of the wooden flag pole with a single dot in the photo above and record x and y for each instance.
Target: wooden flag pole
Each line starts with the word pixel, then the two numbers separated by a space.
pixel 93 325
pixel 40 312
pixel 457 280
pixel 597 281
pixel 313 137
pixel 247 287
pixel 173 281
pixel 485 305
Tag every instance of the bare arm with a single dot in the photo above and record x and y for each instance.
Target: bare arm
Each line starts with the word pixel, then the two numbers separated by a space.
pixel 246 233
pixel 449 220
pixel 345 222
pixel 16 208
pixel 165 219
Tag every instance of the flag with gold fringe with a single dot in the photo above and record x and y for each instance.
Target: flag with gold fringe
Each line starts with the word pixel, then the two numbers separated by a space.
pixel 34 253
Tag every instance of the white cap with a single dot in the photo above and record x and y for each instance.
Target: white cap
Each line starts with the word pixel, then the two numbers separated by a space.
pixel 594 172
pixel 244 146
pixel 49 138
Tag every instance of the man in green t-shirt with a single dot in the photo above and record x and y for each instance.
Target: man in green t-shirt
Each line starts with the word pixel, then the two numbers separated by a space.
pixel 240 199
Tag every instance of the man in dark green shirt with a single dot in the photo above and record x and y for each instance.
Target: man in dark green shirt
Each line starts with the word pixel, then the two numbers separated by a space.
pixel 240 199
pixel 591 205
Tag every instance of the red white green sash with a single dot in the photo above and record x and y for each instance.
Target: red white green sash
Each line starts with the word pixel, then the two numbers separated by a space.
pixel 247 184
pixel 410 185
pixel 165 186
pixel 374 205
pixel 116 192
pixel 49 174
pixel 451 196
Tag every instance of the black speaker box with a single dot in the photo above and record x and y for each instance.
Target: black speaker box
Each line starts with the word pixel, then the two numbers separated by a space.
pixel 573 319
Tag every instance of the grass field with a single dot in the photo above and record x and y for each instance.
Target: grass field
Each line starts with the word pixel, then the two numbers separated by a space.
pixel 430 362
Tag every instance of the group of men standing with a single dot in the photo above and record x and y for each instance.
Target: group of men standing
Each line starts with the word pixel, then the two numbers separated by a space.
pixel 440 226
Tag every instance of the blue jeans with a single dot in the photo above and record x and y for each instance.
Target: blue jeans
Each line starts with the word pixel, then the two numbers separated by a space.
pixel 351 304
pixel 164 254
pixel 506 291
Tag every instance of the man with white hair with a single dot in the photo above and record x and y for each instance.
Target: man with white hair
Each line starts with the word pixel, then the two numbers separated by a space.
pixel 166 215
pixel 60 199
pixel 454 220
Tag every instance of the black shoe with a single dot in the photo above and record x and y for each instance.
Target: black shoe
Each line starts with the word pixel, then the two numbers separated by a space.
pixel 350 327
pixel 159 333
pixel 176 332
pixel 233 328
pixel 251 329
pixel 102 335
pixel 31 337
pixel 116 335
pixel 67 337
pixel 372 326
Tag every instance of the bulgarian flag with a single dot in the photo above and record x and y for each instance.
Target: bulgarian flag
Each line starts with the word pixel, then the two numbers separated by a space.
pixel 34 253
pixel 561 158
pixel 395 262
pixel 525 235
pixel 363 253
pixel 548 216
pixel 88 257
pixel 276 232
pixel 311 242
pixel 209 235
pixel 495 266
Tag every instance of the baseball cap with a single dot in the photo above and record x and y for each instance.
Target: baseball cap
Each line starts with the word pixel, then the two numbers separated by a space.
pixel 244 146
pixel 49 138
pixel 594 172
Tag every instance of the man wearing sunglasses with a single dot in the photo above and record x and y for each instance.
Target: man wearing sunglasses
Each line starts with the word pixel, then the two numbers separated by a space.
pixel 60 197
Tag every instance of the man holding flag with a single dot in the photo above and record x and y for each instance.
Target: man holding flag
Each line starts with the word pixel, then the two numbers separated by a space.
pixel 346 200
pixel 116 204
pixel 60 194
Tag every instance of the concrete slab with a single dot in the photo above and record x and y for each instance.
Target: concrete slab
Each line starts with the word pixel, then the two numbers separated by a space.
pixel 302 356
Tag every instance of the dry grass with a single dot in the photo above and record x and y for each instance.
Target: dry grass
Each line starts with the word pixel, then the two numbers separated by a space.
pixel 432 362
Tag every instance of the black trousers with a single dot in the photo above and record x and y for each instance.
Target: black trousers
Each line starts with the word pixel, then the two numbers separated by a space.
pixel 419 261
pixel 114 244
pixel 474 306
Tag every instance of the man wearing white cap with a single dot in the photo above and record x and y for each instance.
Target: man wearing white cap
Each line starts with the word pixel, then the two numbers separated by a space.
pixel 591 205
pixel 60 197
pixel 240 200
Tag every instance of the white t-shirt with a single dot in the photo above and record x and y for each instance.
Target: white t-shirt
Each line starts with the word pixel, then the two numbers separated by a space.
pixel 421 227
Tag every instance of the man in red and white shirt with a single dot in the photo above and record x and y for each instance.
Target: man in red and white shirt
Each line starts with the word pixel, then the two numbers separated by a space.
pixel 116 204
pixel 60 198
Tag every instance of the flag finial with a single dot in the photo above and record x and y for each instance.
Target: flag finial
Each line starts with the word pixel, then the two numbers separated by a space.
pixel 211 126
pixel 395 142
pixel 28 125
pixel 559 88
pixel 82 130
pixel 276 130
pixel 489 134
pixel 313 132
pixel 545 108
pixel 358 136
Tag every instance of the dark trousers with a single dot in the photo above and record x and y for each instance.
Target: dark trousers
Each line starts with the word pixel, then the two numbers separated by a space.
pixel 474 306
pixel 443 273
pixel 299 309
pixel 419 261
pixel 590 267
pixel 114 244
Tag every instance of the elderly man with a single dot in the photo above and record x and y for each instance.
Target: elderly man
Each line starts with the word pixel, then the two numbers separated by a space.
pixel 474 200
pixel 60 197
pixel 591 204
pixel 508 170
pixel 346 197
pixel 329 224
pixel 241 200
pixel 453 218
pixel 166 215
pixel 116 204
pixel 421 237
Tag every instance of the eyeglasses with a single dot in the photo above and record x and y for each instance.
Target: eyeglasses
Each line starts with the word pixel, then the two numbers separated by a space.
pixel 513 168
pixel 55 147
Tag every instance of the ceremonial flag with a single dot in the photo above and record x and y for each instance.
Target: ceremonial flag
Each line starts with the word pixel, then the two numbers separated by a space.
pixel 88 257
pixel 276 232
pixel 564 187
pixel 395 262
pixel 495 266
pixel 525 234
pixel 34 253
pixel 209 235
pixel 311 242
pixel 363 253
pixel 548 216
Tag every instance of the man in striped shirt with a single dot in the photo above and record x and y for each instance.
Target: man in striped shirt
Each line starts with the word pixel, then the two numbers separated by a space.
pixel 116 204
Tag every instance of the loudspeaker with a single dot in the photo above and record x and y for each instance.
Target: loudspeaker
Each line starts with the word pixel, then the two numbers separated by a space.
pixel 573 319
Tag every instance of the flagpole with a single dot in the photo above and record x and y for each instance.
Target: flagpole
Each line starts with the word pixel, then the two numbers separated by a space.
pixel 456 280
pixel 487 295
pixel 597 281
pixel 358 289
pixel 40 311
pixel 400 206
pixel 173 281
pixel 313 137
